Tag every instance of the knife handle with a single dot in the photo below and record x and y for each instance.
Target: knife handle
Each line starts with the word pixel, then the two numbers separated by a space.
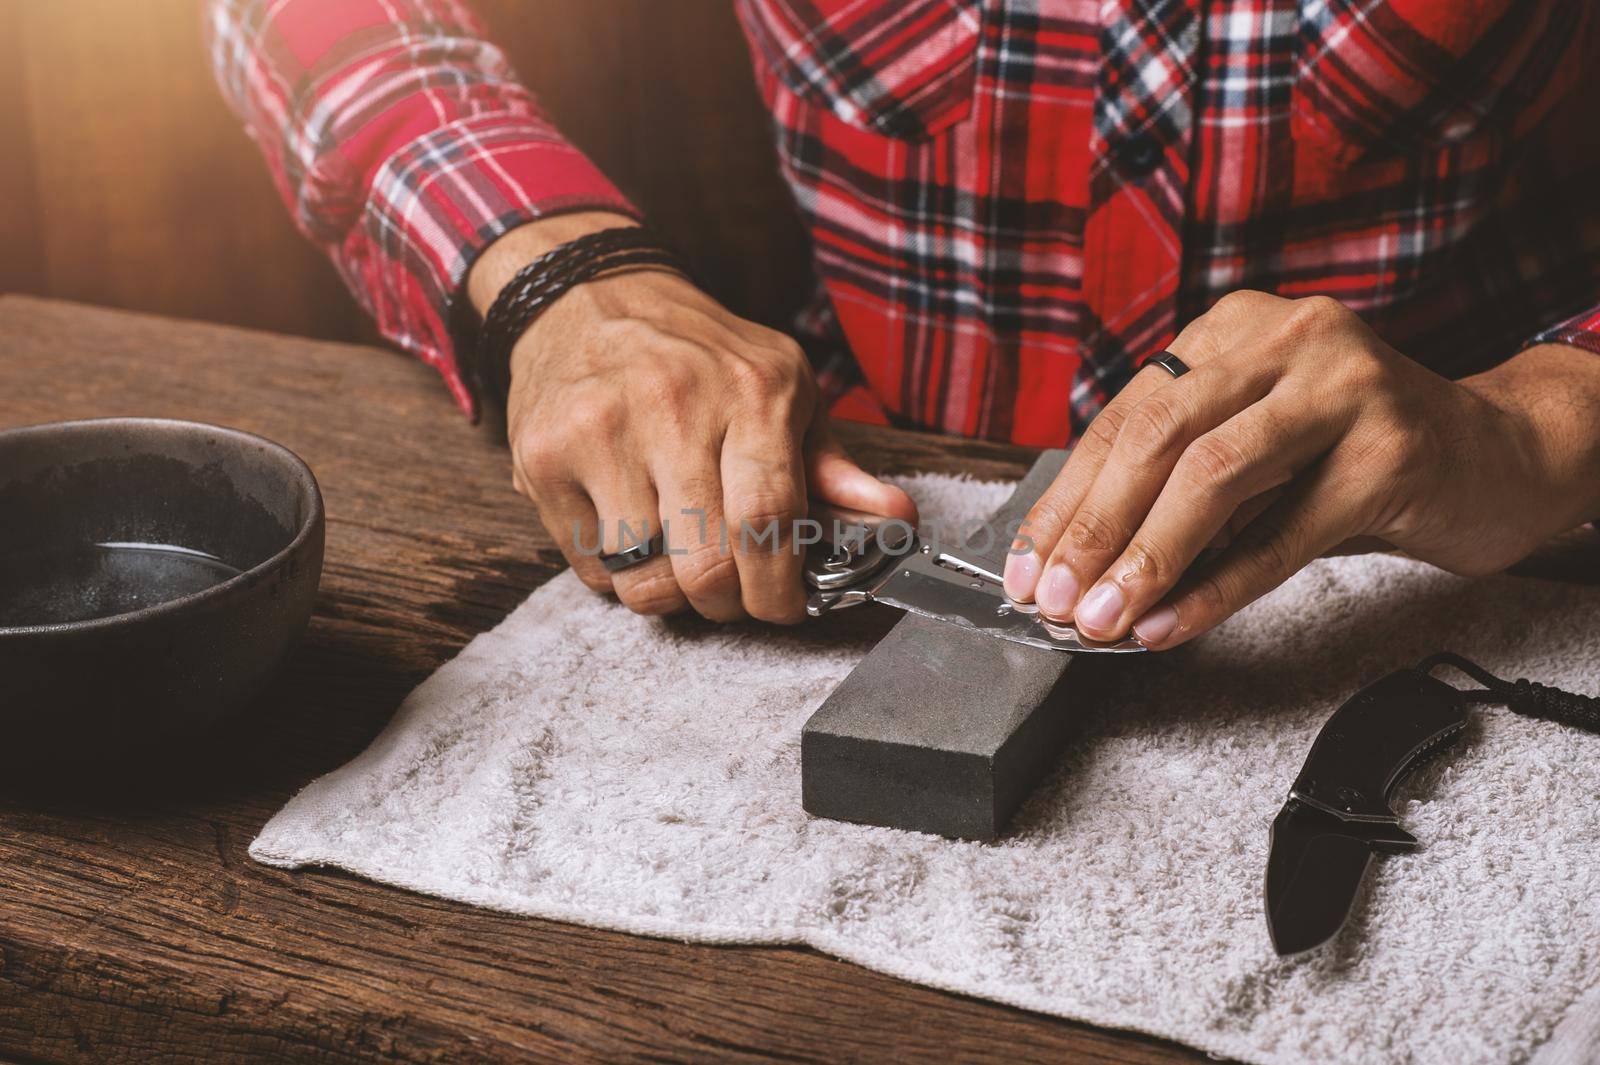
pixel 1375 739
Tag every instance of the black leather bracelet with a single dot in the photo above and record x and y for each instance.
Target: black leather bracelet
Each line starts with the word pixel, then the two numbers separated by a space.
pixel 551 276
pixel 550 267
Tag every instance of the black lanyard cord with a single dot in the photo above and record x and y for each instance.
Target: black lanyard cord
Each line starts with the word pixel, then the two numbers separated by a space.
pixel 1525 697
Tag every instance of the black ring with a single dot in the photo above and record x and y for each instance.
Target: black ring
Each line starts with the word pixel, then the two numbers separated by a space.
pixel 633 556
pixel 1170 363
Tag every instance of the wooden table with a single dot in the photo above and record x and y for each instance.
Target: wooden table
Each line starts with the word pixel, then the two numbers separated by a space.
pixel 138 930
pixel 141 931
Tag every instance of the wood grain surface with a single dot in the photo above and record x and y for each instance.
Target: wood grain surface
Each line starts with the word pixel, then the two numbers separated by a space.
pixel 133 928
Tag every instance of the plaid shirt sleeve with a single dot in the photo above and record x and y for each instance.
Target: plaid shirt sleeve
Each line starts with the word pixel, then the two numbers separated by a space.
pixel 402 144
pixel 1581 331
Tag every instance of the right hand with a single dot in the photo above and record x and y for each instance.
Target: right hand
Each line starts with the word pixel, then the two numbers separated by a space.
pixel 636 397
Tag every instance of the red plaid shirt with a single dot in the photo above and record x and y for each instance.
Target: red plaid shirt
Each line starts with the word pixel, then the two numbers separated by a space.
pixel 1013 202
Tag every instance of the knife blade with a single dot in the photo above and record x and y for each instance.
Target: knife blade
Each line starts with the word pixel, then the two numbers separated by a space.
pixel 862 558
pixel 1338 815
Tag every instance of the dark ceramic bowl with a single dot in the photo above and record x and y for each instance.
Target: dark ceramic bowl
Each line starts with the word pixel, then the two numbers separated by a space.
pixel 154 576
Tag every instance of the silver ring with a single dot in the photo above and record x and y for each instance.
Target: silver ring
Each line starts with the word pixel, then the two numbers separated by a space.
pixel 633 556
pixel 1170 363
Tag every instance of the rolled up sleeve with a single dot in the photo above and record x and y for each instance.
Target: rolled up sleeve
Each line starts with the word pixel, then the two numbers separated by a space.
pixel 1582 331
pixel 402 144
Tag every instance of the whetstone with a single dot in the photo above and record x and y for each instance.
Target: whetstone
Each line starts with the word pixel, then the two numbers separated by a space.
pixel 941 729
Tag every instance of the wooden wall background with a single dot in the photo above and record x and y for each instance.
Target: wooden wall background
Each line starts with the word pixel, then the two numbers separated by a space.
pixel 124 179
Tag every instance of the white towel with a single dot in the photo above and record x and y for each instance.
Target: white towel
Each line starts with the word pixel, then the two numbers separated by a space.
pixel 587 765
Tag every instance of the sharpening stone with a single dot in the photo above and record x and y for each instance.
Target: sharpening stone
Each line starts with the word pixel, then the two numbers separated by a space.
pixel 941 729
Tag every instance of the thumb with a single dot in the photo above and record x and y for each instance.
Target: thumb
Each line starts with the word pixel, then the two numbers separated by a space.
pixel 833 477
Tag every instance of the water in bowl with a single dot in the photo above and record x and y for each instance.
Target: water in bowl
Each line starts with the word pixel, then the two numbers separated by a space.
pixel 80 582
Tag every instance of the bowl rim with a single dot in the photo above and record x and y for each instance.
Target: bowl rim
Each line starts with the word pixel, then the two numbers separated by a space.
pixel 310 491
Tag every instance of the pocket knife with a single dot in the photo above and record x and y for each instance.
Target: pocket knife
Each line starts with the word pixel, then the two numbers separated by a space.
pixel 866 559
pixel 1338 816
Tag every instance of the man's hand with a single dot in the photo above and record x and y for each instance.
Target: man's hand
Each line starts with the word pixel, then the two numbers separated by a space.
pixel 1296 431
pixel 637 398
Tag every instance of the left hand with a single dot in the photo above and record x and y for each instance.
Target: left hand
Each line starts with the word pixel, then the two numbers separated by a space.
pixel 1297 429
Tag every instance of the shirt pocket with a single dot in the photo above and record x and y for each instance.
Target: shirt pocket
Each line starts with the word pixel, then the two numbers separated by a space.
pixel 901 68
pixel 1393 77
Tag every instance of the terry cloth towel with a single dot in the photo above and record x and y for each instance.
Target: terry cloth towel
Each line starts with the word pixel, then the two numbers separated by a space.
pixel 584 764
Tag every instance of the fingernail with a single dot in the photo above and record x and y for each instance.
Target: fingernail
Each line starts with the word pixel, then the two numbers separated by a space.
pixel 1022 576
pixel 1101 608
pixel 1057 592
pixel 1156 626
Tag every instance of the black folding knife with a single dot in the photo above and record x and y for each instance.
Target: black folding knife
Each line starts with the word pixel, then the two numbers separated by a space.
pixel 1338 814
